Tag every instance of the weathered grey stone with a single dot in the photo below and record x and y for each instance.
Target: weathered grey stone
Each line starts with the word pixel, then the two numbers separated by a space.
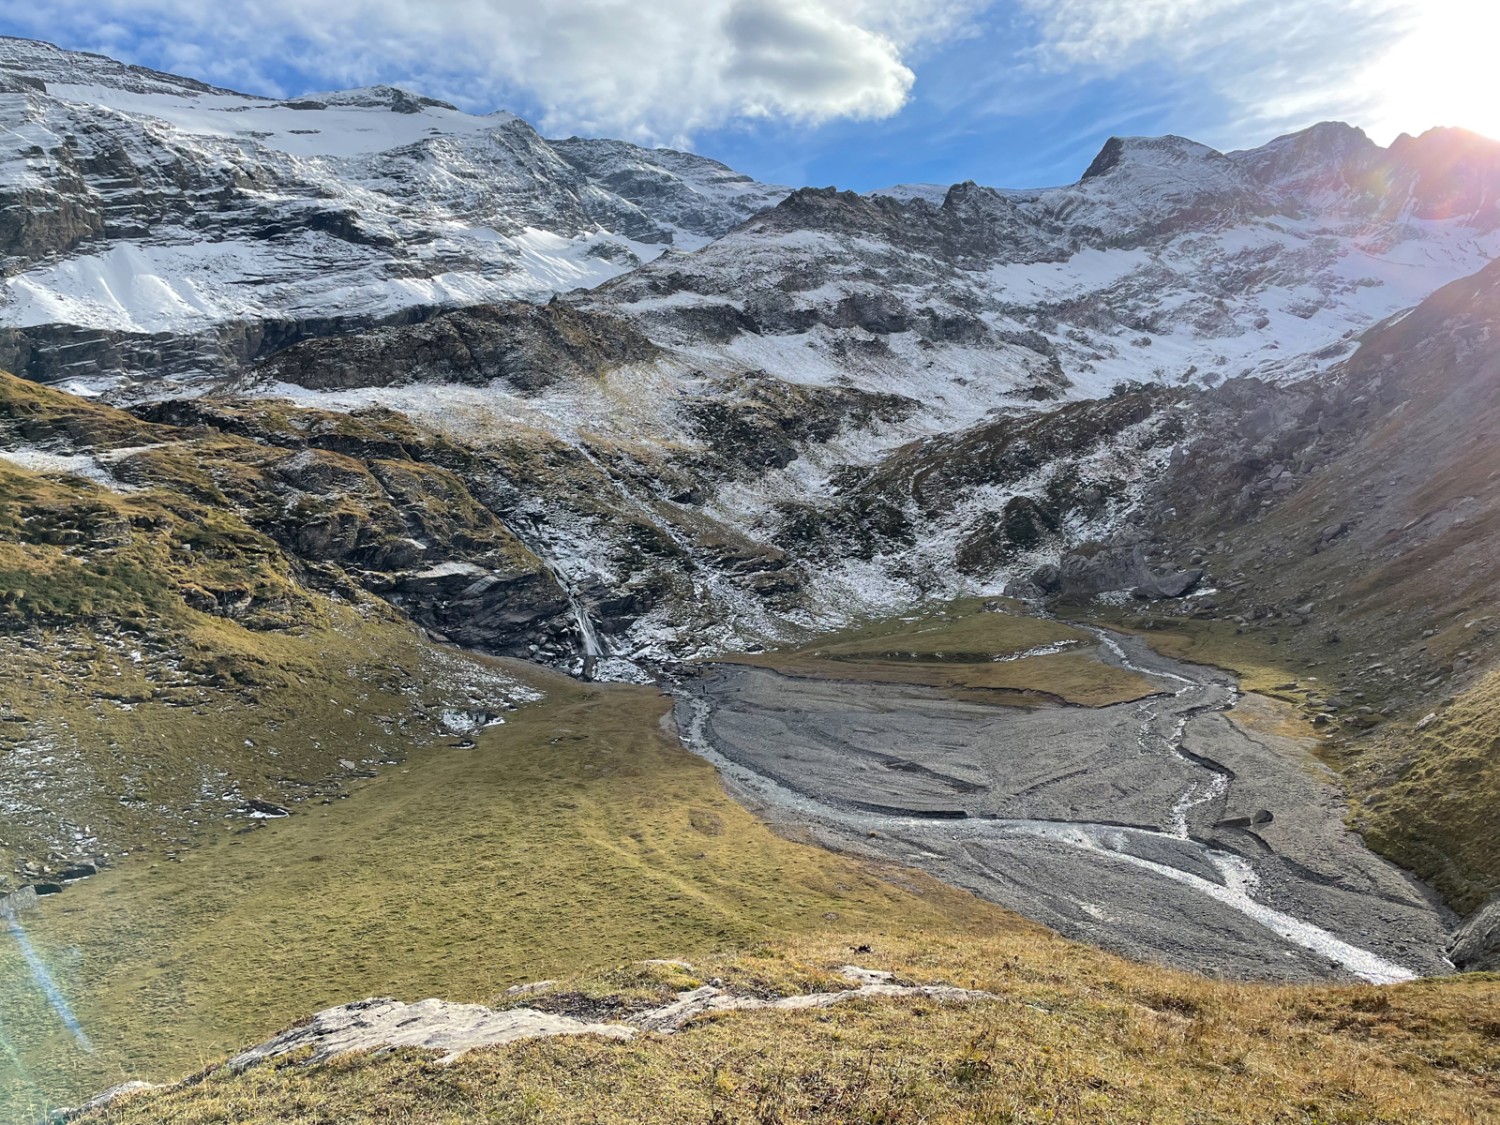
pixel 1476 944
pixel 1173 585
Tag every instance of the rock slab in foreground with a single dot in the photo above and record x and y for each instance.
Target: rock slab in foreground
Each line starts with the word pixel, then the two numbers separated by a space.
pixel 437 1025
pixel 434 1025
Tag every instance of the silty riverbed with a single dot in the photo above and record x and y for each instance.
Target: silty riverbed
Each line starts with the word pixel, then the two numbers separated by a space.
pixel 1139 827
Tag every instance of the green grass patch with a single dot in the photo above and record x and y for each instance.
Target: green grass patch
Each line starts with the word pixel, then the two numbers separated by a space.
pixel 967 648
pixel 577 836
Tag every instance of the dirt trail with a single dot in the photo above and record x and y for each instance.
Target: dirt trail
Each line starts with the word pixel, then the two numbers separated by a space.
pixel 1098 822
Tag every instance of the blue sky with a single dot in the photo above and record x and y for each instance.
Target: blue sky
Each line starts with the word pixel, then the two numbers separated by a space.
pixel 856 93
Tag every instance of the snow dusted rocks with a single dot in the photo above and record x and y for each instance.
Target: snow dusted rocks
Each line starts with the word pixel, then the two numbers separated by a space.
pixel 1167 262
pixel 719 411
pixel 156 223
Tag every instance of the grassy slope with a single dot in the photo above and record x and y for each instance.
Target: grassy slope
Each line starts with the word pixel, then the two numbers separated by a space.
pixel 575 839
pixel 1429 796
pixel 160 654
pixel 576 836
pixel 579 838
pixel 960 649
pixel 1076 1037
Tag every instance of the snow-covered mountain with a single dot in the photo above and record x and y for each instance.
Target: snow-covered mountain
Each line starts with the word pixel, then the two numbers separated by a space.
pixel 1166 262
pixel 747 407
pixel 153 224
pixel 895 398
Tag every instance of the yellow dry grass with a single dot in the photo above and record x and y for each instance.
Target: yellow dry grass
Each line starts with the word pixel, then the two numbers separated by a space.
pixel 1074 1036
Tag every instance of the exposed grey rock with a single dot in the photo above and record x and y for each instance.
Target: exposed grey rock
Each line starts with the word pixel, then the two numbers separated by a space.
pixel 527 346
pixel 872 985
pixel 454 1029
pixel 1476 945
pixel 1173 585
pixel 101 1101
pixel 267 810
pixel 696 194
pixel 17 901
pixel 434 1025
pixel 342 241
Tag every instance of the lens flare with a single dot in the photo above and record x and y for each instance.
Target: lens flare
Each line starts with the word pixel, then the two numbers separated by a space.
pixel 43 978
pixel 1441 72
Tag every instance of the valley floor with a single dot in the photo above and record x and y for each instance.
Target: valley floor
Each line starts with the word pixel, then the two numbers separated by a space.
pixel 579 839
pixel 1133 826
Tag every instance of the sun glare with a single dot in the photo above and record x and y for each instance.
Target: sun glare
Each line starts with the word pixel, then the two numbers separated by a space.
pixel 1442 72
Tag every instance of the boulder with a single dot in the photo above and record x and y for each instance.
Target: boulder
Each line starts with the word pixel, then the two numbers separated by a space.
pixel 1255 820
pixel 1174 585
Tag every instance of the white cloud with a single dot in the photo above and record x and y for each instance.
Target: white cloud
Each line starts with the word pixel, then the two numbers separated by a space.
pixel 657 70
pixel 1277 64
pixel 1389 65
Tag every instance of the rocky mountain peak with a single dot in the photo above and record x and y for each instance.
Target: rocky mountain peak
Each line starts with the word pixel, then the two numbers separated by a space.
pixel 1449 174
pixel 701 198
pixel 1309 157
pixel 53 66
pixel 1167 151
pixel 394 98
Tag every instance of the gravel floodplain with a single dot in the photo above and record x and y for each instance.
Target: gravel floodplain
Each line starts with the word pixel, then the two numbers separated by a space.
pixel 1139 827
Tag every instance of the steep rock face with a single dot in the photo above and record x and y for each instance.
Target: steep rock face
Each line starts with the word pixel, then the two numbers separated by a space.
pixel 1476 946
pixel 977 505
pixel 929 458
pixel 1371 489
pixel 697 197
pixel 1441 175
pixel 159 222
pixel 1141 187
pixel 528 346
pixel 516 543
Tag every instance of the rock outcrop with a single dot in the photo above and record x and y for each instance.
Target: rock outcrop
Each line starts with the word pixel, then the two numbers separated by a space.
pixel 527 346
pixel 1476 945
pixel 454 1029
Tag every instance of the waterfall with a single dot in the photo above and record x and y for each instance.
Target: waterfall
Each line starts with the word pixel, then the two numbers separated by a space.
pixel 591 645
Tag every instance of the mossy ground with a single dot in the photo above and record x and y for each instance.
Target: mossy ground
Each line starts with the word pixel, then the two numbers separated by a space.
pixel 967 650
pixel 1430 793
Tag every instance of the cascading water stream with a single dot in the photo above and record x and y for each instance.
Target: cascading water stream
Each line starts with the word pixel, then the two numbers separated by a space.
pixel 592 644
pixel 1198 793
